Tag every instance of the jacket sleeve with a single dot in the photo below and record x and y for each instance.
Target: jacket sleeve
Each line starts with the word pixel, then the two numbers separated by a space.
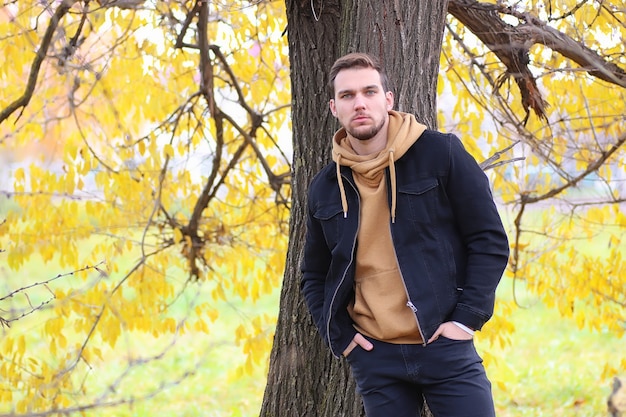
pixel 315 266
pixel 482 234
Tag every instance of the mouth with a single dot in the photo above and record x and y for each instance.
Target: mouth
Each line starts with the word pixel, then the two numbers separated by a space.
pixel 360 118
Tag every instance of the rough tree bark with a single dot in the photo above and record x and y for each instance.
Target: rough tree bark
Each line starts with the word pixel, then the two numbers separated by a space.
pixel 304 379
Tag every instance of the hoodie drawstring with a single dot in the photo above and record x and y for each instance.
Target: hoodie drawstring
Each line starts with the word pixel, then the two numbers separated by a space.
pixel 392 171
pixel 402 132
pixel 342 190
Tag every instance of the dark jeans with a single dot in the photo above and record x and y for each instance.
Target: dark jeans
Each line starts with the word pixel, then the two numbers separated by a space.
pixel 449 374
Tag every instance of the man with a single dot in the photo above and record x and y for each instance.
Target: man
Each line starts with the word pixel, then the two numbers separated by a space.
pixel 403 253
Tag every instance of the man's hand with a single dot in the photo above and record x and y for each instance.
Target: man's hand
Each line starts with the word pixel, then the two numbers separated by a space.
pixel 450 331
pixel 358 340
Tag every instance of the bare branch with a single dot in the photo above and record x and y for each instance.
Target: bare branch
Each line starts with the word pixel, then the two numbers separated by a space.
pixel 491 161
pixel 591 168
pixel 23 290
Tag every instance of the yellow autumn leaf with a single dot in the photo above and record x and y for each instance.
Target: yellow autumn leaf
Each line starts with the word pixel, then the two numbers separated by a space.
pixel 141 147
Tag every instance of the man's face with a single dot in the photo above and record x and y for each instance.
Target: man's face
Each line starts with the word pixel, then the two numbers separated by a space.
pixel 360 103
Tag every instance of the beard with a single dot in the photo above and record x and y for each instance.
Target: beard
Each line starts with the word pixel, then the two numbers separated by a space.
pixel 367 133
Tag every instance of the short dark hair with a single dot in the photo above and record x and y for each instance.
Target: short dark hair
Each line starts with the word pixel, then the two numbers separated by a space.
pixel 357 60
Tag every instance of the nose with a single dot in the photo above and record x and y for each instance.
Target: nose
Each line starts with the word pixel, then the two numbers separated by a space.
pixel 359 102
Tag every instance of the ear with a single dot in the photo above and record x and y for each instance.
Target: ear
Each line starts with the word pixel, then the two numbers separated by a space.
pixel 331 104
pixel 390 100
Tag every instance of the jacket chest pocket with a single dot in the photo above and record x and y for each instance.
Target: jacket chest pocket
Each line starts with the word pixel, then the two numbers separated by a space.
pixel 330 217
pixel 419 200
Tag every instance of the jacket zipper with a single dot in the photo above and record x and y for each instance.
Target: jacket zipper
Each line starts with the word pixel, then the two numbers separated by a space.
pixel 332 301
pixel 409 303
pixel 414 309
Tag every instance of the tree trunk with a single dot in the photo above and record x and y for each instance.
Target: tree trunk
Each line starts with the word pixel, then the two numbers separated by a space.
pixel 304 379
pixel 406 36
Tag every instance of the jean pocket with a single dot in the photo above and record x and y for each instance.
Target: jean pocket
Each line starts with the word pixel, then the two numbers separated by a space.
pixel 450 340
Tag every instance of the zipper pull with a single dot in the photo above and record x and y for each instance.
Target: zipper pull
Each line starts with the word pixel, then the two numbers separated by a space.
pixel 410 305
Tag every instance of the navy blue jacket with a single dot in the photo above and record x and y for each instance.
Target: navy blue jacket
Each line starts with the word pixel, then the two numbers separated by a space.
pixel 448 236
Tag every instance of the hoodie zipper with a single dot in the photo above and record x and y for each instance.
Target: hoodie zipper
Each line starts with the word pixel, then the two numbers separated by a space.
pixel 345 272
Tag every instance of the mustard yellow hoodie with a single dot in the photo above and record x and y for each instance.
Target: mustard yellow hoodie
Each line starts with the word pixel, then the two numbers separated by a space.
pixel 379 309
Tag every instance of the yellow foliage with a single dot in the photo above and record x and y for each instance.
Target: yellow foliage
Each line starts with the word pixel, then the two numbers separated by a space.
pixel 113 153
pixel 117 150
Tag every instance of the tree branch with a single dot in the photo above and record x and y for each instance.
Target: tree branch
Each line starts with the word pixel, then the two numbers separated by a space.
pixel 504 41
pixel 24 290
pixel 511 44
pixel 188 19
pixel 491 161
pixel 588 59
pixel 592 167
pixel 206 89
pixel 23 101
